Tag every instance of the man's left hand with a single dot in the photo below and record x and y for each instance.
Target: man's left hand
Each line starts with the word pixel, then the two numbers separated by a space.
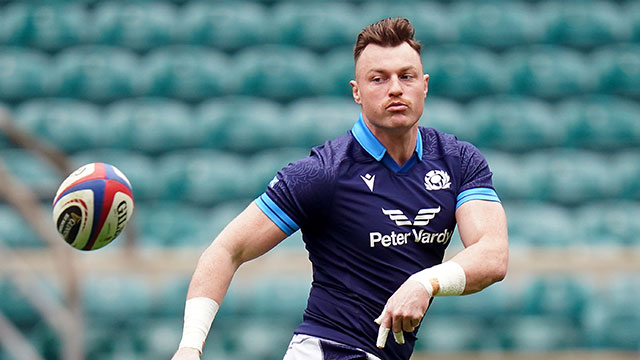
pixel 403 312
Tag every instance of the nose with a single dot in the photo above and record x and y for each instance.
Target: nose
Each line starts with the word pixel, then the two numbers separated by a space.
pixel 395 88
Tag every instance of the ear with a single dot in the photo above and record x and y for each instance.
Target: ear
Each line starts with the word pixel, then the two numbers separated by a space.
pixel 355 92
pixel 426 85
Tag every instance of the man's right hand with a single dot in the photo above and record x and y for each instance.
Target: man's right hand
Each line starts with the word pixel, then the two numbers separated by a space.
pixel 186 353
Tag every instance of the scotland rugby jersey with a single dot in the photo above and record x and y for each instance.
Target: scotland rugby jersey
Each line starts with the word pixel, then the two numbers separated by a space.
pixel 368 224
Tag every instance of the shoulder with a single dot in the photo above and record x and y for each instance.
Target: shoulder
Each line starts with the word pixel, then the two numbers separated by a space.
pixel 436 143
pixel 323 163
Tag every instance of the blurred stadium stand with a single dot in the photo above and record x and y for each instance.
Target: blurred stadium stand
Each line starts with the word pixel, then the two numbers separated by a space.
pixel 201 103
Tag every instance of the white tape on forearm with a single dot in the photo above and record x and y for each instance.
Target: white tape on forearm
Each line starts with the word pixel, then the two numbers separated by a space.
pixel 450 276
pixel 199 313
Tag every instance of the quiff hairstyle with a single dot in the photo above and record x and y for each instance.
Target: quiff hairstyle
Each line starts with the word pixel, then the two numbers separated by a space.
pixel 389 32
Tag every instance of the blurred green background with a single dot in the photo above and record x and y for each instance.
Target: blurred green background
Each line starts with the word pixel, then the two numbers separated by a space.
pixel 199 103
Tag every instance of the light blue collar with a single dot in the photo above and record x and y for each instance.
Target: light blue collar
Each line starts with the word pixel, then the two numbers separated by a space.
pixel 372 145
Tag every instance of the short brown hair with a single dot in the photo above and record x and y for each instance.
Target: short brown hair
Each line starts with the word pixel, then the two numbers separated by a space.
pixel 386 32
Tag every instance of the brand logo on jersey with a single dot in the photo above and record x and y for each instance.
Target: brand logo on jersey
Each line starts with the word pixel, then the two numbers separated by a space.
pixel 273 181
pixel 403 238
pixel 368 179
pixel 422 219
pixel 437 180
pixel 417 235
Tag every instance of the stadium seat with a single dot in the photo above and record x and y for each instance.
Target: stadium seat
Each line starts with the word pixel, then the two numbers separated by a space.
pixel 318 26
pixel 157 338
pixel 15 305
pixel 431 20
pixel 461 71
pixel 618 69
pixel 559 296
pixel 135 25
pixel 96 73
pixel 540 334
pixel 613 322
pixel 32 171
pixel 23 74
pixel 526 219
pixel 195 176
pixel 190 73
pixel 569 177
pixel 508 179
pixel 448 116
pixel 546 71
pixel 283 297
pixel 514 123
pixel 632 10
pixel 611 223
pixel 48 26
pixel 627 170
pixel 600 122
pixel 139 168
pixel 316 120
pixel 241 124
pixel 167 223
pixel 66 124
pixel 215 219
pixel 276 72
pixel 583 24
pixel 15 231
pixel 496 24
pixel 111 298
pixel 492 302
pixel 452 333
pixel 336 69
pixel 150 125
pixel 224 25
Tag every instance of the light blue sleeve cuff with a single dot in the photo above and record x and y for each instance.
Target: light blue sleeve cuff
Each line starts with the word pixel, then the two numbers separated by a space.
pixel 476 194
pixel 279 217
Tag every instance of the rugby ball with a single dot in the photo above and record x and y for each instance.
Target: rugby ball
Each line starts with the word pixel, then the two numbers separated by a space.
pixel 92 206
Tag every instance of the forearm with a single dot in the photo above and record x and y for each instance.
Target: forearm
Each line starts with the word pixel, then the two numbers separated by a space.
pixel 213 274
pixel 484 263
pixel 483 231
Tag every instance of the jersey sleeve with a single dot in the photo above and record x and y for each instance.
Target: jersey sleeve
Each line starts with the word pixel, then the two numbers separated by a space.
pixel 476 176
pixel 298 194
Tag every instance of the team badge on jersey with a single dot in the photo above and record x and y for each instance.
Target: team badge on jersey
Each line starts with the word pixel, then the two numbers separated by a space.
pixel 437 180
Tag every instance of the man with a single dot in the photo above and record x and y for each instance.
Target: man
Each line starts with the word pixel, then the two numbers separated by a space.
pixel 377 208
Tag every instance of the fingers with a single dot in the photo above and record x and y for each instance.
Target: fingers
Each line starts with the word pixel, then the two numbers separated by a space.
pixel 408 324
pixel 400 324
pixel 383 333
pixel 399 337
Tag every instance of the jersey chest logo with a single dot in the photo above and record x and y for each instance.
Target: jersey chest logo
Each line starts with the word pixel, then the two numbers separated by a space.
pixel 421 219
pixel 437 180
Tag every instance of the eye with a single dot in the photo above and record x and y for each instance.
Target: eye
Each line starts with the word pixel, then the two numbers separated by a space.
pixel 407 77
pixel 377 79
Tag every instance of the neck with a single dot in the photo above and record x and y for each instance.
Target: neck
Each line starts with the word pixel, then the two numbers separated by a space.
pixel 400 143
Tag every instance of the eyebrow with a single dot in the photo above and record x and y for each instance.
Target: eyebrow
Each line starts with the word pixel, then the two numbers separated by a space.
pixel 383 71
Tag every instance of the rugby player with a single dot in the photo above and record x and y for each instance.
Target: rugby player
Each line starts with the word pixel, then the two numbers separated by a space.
pixel 376 208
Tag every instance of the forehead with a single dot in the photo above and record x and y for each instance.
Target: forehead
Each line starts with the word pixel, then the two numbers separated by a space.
pixel 389 58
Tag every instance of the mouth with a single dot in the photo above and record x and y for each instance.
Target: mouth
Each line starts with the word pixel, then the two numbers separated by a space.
pixel 397 106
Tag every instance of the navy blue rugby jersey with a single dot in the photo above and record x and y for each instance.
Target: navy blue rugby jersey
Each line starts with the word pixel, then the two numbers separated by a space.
pixel 368 224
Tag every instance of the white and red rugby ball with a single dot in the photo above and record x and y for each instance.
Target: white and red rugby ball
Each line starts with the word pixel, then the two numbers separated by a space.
pixel 92 206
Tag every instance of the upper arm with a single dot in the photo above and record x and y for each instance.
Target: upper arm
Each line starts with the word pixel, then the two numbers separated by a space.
pixel 482 220
pixel 249 235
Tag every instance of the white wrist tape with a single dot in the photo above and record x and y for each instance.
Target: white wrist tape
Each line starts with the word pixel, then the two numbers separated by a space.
pixel 198 316
pixel 450 275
